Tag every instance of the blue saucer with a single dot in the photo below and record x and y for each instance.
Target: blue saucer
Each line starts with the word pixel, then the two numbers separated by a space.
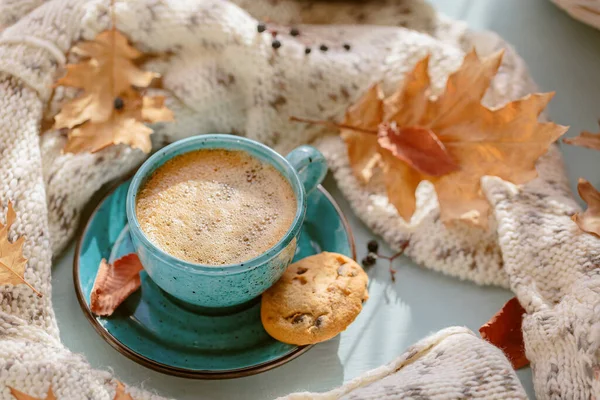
pixel 158 331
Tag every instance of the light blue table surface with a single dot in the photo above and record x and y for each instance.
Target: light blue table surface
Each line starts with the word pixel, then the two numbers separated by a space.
pixel 563 55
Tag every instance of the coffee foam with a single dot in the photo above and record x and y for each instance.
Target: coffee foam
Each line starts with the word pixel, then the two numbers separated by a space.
pixel 215 207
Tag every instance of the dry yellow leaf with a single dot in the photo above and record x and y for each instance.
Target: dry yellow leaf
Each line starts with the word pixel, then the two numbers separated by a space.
pixel 22 396
pixel 589 220
pixel 124 126
pixel 109 110
pixel 12 262
pixel 504 142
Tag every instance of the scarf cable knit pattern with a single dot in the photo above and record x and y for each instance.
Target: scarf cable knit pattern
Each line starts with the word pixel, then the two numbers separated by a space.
pixel 225 77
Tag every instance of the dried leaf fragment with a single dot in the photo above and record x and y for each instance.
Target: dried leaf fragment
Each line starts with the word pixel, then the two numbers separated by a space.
pixel 12 261
pixel 110 110
pixel 585 139
pixel 22 396
pixel 114 283
pixel 503 330
pixel 589 220
pixel 121 394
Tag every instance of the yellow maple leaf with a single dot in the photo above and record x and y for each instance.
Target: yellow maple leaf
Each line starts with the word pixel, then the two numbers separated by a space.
pixel 12 261
pixel 22 396
pixel 124 126
pixel 107 111
pixel 472 140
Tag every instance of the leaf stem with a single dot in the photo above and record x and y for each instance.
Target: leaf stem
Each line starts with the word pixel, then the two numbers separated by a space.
pixel 21 278
pixel 391 259
pixel 113 17
pixel 332 125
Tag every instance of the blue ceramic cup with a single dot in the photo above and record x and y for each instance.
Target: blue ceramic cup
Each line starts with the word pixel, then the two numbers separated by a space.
pixel 226 285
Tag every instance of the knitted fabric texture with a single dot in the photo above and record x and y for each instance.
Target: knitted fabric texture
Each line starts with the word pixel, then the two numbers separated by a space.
pixel 223 76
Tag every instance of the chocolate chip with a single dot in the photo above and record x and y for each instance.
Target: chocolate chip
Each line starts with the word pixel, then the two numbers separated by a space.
pixel 301 270
pixel 118 103
pixel 319 321
pixel 298 318
pixel 300 279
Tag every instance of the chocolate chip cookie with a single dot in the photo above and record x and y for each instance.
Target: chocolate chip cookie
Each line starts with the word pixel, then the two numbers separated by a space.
pixel 315 299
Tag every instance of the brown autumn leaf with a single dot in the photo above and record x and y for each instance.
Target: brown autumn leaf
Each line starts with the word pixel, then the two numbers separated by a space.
pixel 12 261
pixel 114 283
pixel 589 220
pixel 418 147
pixel 585 139
pixel 121 394
pixel 504 142
pixel 503 330
pixel 110 109
pixel 22 396
pixel 124 126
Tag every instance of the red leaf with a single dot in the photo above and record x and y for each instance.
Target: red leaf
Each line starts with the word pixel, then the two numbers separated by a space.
pixel 504 331
pixel 114 283
pixel 418 147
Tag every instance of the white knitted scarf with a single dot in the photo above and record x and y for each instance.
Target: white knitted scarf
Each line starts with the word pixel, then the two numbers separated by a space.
pixel 223 76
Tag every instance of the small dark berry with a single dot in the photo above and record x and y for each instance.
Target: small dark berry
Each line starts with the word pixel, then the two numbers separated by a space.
pixel 276 44
pixel 369 260
pixel 307 50
pixel 261 27
pixel 347 46
pixel 323 48
pixel 373 246
pixel 294 32
pixel 118 103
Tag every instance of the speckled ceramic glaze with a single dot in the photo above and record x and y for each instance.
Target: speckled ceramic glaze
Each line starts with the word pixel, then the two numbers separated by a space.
pixel 155 329
pixel 234 284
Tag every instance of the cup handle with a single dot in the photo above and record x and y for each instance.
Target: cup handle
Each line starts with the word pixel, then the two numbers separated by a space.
pixel 310 165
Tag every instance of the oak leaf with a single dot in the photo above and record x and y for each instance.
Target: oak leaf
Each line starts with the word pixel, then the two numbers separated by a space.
pixel 451 141
pixel 503 330
pixel 589 220
pixel 12 261
pixel 22 396
pixel 114 283
pixel 110 109
pixel 585 139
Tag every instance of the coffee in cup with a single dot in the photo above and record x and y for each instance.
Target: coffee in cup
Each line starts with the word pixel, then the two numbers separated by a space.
pixel 215 207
